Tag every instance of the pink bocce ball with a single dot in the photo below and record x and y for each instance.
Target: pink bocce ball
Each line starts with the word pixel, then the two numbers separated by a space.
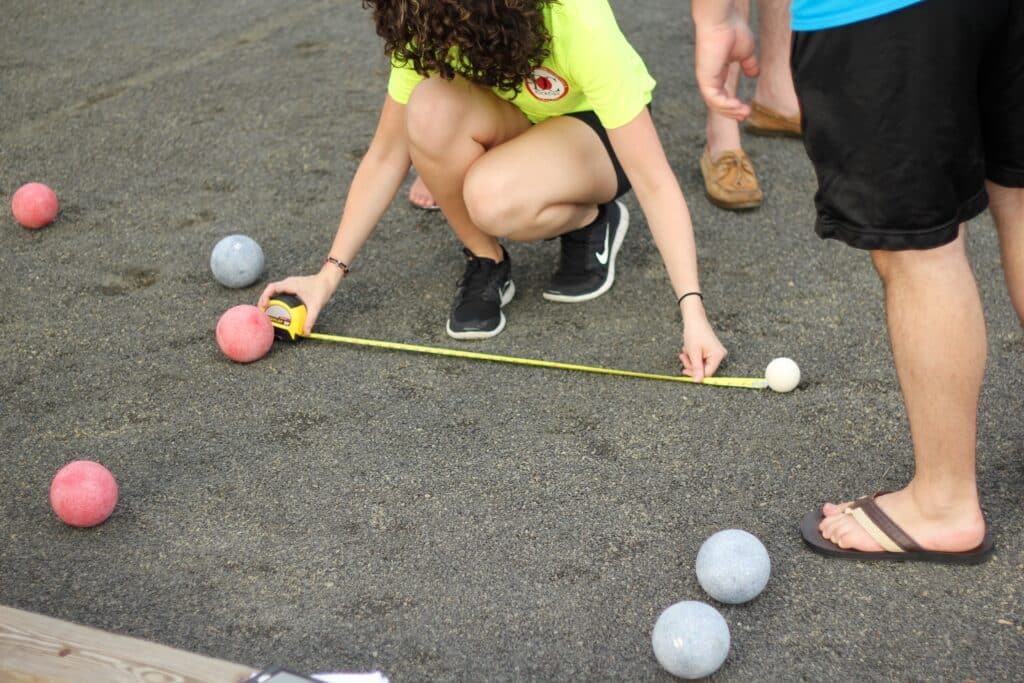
pixel 245 333
pixel 34 205
pixel 83 493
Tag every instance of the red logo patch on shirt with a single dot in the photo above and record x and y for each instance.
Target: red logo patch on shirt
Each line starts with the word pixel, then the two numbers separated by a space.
pixel 546 85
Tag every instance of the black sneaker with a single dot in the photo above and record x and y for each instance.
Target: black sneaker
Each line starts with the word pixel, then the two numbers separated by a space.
pixel 586 269
pixel 483 289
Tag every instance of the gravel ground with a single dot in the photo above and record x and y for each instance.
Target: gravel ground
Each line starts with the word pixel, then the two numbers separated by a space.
pixel 333 507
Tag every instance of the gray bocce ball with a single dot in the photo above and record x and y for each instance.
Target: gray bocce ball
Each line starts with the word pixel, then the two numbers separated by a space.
pixel 237 261
pixel 690 639
pixel 733 566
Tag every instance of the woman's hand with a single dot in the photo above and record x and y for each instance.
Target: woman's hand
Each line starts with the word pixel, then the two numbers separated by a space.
pixel 380 174
pixel 702 353
pixel 314 290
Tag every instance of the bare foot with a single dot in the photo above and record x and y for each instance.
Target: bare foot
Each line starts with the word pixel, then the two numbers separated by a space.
pixel 946 528
pixel 420 196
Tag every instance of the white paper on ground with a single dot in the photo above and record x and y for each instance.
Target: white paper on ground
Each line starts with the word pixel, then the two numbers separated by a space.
pixel 375 677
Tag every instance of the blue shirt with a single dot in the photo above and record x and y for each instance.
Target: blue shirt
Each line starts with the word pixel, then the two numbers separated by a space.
pixel 813 15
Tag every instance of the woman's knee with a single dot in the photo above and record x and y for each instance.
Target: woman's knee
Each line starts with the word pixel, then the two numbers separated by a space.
pixel 491 201
pixel 434 115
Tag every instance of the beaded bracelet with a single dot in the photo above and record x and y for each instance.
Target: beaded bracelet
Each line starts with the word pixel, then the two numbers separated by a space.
pixel 341 264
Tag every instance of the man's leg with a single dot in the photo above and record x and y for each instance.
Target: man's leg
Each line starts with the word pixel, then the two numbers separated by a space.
pixel 1007 207
pixel 730 181
pixel 775 83
pixel 937 333
pixel 723 133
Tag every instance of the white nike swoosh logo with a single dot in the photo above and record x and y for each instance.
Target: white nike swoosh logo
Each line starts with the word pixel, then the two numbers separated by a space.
pixel 602 256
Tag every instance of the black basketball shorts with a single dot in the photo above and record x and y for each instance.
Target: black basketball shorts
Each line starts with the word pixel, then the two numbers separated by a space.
pixel 907 114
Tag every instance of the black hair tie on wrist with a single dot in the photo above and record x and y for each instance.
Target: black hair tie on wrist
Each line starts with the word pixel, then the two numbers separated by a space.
pixel 680 299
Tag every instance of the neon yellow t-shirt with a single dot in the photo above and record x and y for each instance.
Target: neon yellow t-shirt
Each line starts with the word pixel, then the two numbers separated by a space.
pixel 591 67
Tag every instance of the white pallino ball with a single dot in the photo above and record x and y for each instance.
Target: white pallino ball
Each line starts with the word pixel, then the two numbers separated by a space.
pixel 783 374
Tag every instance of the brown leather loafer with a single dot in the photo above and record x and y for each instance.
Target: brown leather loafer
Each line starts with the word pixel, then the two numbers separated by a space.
pixel 730 181
pixel 765 121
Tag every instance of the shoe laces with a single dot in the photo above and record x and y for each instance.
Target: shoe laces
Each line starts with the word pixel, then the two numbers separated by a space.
pixel 477 279
pixel 733 169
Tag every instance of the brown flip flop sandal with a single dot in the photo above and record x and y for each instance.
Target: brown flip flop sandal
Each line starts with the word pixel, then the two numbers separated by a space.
pixel 898 546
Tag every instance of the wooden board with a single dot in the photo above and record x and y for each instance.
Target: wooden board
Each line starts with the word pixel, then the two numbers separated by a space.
pixel 38 649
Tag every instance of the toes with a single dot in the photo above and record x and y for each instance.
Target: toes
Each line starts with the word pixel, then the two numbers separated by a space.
pixel 827 526
pixel 846 533
pixel 849 535
pixel 844 541
pixel 831 509
pixel 420 195
pixel 835 530
pixel 424 202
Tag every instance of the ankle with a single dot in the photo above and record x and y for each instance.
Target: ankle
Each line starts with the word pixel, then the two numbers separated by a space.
pixel 591 216
pixel 781 100
pixel 937 503
pixel 722 134
pixel 495 253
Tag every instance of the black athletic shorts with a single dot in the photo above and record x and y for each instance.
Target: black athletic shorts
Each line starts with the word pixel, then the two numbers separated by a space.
pixel 905 115
pixel 590 118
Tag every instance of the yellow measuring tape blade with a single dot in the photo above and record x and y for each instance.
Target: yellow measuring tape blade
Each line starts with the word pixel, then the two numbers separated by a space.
pixel 741 382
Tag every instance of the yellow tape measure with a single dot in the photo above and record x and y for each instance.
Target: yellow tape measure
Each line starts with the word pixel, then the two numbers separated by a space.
pixel 288 315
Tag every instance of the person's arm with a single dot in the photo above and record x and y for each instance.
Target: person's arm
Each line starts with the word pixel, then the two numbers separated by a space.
pixel 722 37
pixel 657 190
pixel 376 181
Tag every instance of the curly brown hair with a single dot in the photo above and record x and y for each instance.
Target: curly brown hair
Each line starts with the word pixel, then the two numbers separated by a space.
pixel 498 42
